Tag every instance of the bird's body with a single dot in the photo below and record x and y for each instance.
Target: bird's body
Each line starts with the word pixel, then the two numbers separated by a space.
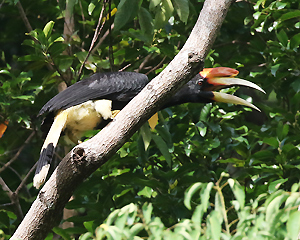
pixel 85 104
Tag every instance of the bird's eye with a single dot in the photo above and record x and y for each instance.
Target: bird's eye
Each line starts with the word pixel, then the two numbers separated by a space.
pixel 200 82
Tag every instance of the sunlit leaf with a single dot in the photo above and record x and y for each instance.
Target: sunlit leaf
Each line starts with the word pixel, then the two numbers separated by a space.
pixel 189 194
pixel 293 226
pixel 48 29
pixel 276 184
pixel 182 9
pixel 238 192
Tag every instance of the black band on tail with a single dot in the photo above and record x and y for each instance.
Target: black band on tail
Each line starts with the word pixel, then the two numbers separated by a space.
pixel 45 157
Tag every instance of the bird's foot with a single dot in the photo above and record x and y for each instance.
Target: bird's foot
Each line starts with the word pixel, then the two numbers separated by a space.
pixel 114 113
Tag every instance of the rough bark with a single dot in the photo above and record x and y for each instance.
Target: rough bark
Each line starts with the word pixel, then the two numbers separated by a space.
pixel 85 158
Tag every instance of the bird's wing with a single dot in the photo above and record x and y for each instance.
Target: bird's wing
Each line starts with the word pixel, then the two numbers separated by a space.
pixel 115 86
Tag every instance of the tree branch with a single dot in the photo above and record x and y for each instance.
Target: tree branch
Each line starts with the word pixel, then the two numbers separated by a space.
pixel 24 17
pixel 90 155
pixel 13 198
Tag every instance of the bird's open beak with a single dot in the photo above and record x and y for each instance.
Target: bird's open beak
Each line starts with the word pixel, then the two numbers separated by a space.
pixel 223 77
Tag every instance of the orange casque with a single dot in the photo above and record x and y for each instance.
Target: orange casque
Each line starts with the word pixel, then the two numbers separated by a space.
pixel 219 72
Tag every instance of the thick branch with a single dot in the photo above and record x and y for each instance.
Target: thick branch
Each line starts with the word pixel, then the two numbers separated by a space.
pixel 90 155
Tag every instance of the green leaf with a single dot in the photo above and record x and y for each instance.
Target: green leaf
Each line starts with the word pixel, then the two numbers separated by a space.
pixel 24 97
pixel 159 20
pixel 86 236
pixel 189 194
pixel 205 112
pixel 64 62
pixel 289 15
pixel 48 29
pixel 112 216
pixel 279 131
pixel 288 147
pixel 182 9
pixel 296 85
pixel 295 41
pixel 122 217
pixel 293 226
pixel 127 10
pixel 91 8
pixel 238 192
pixel 273 207
pixel 146 22
pixel 154 3
pixel 272 141
pixel 274 69
pixel 166 135
pixel 61 232
pixel 89 226
pixel 11 215
pixel 263 154
pixel 147 212
pixel 163 14
pixel 163 148
pixel 135 229
pixel 33 58
pixel 274 186
pixel 281 5
pixel 146 135
pixel 205 195
pixel 282 130
pixel 146 191
pixel 57 49
pixel 214 225
pixel 282 37
pixel 168 8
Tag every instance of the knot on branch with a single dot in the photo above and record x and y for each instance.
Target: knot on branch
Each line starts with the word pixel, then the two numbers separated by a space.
pixel 78 156
pixel 149 86
pixel 193 57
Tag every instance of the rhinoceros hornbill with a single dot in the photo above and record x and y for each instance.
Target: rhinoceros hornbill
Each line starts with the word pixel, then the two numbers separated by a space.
pixel 85 104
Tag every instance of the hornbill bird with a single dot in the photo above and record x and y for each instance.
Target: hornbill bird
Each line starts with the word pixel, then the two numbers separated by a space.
pixel 83 105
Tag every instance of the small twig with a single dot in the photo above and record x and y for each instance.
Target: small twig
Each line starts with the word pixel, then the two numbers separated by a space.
pixel 110 49
pixel 224 213
pixel 25 179
pixel 13 198
pixel 15 172
pixel 230 43
pixel 127 66
pixel 102 39
pixel 5 205
pixel 95 37
pixel 82 14
pixel 157 66
pixel 18 153
pixel 147 58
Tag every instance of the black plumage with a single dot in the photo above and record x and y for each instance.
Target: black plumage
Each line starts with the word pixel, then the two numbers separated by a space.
pixel 120 87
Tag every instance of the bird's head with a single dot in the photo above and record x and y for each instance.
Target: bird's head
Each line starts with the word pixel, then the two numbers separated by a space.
pixel 212 79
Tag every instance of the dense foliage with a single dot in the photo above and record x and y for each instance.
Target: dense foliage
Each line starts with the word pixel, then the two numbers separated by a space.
pixel 206 171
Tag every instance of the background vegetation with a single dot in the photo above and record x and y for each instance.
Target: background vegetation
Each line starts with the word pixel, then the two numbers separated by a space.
pixel 207 171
